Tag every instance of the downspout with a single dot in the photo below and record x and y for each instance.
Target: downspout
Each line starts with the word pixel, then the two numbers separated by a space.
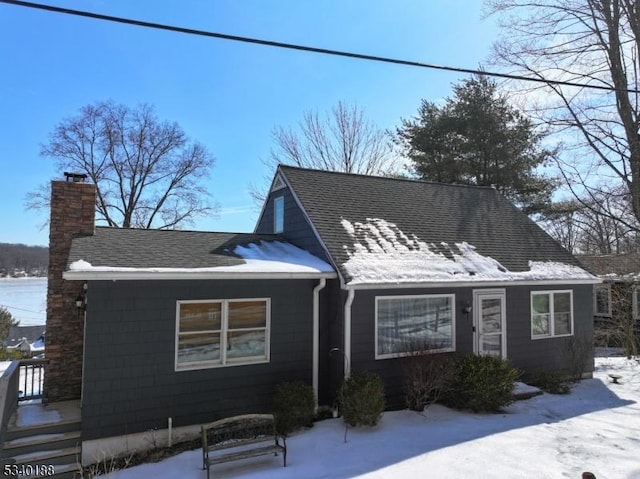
pixel 316 334
pixel 347 332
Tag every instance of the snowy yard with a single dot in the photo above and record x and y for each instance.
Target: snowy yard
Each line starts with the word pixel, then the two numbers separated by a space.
pixel 595 428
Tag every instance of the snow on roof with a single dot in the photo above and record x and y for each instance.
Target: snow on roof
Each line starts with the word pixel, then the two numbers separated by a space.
pixel 283 253
pixel 382 253
pixel 263 257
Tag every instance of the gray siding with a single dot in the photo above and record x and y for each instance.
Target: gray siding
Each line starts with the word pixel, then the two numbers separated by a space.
pixel 363 337
pixel 331 344
pixel 296 227
pixel 129 380
pixel 549 353
pixel 527 354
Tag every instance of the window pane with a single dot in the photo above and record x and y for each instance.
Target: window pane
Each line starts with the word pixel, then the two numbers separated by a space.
pixel 245 344
pixel 541 303
pixel 492 345
pixel 198 347
pixel 540 324
pixel 602 300
pixel 414 324
pixel 278 214
pixel 562 323
pixel 200 317
pixel 562 302
pixel 491 315
pixel 247 314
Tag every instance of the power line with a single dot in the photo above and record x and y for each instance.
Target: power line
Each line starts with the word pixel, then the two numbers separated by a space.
pixel 6 306
pixel 291 46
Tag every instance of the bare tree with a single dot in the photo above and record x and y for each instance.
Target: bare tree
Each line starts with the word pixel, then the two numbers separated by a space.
pixel 596 42
pixel 563 223
pixel 622 329
pixel 342 139
pixel 594 225
pixel 146 171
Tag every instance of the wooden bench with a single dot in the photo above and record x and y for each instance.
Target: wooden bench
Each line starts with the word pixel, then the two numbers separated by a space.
pixel 615 378
pixel 240 437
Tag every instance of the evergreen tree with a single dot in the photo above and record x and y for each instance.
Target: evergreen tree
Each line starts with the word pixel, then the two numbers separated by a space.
pixel 6 322
pixel 478 138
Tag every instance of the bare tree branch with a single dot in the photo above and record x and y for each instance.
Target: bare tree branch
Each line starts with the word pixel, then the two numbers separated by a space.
pixel 597 43
pixel 146 171
pixel 341 140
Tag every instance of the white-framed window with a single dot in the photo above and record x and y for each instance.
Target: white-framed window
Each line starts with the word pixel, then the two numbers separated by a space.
pixel 551 313
pixel 228 332
pixel 407 324
pixel 635 302
pixel 278 214
pixel 602 300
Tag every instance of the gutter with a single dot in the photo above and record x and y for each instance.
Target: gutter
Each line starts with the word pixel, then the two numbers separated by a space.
pixel 347 331
pixel 169 275
pixel 316 335
pixel 466 284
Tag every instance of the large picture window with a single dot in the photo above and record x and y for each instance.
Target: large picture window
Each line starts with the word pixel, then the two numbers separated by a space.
pixel 551 314
pixel 406 324
pixel 222 333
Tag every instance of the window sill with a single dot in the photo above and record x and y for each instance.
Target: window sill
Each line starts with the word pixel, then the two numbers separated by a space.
pixel 199 366
pixel 416 353
pixel 548 336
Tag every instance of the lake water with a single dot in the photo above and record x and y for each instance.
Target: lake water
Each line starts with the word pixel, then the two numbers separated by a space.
pixel 25 298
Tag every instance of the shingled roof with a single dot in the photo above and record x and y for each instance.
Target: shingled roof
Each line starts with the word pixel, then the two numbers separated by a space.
pixel 623 266
pixel 122 250
pixel 343 208
pixel 140 248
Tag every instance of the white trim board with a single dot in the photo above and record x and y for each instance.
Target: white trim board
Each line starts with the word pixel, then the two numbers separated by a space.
pixel 473 284
pixel 169 275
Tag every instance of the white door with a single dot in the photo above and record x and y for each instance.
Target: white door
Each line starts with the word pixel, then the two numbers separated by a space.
pixel 489 322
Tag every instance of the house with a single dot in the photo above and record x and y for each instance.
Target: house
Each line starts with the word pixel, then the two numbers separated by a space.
pixel 31 336
pixel 170 329
pixel 616 301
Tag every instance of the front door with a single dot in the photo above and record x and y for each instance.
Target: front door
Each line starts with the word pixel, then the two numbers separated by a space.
pixel 489 325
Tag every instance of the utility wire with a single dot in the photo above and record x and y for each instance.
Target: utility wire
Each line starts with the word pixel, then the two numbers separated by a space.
pixel 6 306
pixel 291 46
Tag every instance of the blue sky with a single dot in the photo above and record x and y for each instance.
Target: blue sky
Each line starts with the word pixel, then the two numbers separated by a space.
pixel 227 95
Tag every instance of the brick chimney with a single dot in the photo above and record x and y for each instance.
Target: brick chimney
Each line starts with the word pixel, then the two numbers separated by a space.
pixel 72 215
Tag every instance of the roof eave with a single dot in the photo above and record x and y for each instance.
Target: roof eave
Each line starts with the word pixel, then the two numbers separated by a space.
pixel 476 284
pixel 185 275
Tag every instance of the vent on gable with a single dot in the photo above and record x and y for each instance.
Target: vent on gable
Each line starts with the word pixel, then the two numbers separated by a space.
pixel 278 184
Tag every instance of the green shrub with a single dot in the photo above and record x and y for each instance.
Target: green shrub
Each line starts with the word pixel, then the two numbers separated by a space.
pixel 482 383
pixel 552 382
pixel 10 354
pixel 293 407
pixel 362 399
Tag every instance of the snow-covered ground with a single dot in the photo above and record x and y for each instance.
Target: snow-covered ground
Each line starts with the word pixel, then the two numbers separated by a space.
pixel 596 428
